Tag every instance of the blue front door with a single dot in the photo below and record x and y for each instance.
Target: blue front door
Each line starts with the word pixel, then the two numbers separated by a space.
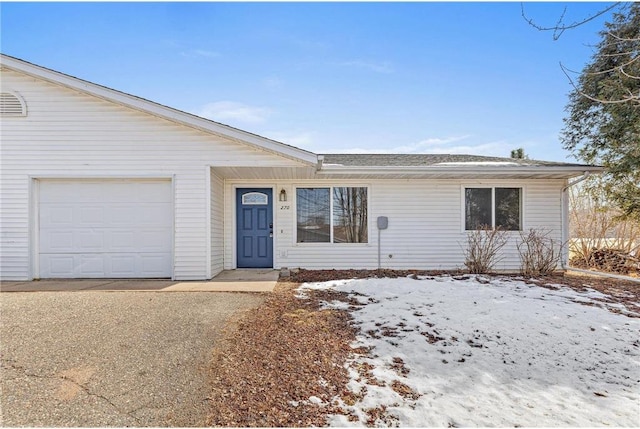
pixel 254 220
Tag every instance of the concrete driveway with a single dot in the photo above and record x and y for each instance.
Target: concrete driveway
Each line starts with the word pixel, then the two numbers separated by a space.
pixel 110 358
pixel 239 280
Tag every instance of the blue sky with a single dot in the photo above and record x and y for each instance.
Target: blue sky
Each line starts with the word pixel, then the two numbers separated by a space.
pixel 329 77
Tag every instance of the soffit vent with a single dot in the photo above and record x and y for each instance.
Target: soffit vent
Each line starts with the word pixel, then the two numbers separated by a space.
pixel 12 104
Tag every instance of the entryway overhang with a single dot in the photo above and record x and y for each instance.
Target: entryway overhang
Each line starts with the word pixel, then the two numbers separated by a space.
pixel 265 173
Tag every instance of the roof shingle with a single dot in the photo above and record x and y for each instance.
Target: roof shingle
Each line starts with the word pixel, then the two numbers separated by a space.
pixel 417 160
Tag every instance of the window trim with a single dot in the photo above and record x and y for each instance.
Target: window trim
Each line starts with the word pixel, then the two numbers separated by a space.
pixel 330 242
pixel 493 187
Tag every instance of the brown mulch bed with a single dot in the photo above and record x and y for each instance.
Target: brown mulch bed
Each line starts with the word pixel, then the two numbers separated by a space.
pixel 272 359
pixel 309 276
pixel 625 292
pixel 276 357
pixel 617 288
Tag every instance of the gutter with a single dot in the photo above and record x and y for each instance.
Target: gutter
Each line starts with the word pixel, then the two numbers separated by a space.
pixel 564 219
pixel 333 169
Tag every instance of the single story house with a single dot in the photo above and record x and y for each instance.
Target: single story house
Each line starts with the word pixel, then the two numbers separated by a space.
pixel 97 183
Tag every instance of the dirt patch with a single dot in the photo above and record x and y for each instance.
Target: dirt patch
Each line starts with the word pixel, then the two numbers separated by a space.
pixel 282 363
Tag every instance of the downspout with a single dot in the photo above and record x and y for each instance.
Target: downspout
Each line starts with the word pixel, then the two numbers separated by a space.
pixel 564 221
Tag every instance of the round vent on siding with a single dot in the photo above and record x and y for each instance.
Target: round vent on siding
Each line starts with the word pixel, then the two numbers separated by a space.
pixel 11 104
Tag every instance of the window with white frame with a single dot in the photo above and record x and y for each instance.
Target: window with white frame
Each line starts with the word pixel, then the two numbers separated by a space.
pixel 332 215
pixel 493 208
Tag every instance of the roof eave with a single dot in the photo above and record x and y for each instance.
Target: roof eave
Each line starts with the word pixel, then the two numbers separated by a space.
pixel 159 110
pixel 542 170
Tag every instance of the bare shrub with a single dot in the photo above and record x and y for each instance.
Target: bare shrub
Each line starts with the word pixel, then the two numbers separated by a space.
pixel 483 247
pixel 539 253
pixel 596 226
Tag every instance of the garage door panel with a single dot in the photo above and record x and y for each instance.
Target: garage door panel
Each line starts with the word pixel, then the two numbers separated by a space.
pixel 56 241
pixel 57 265
pixel 50 192
pixel 141 214
pixel 85 240
pixel 123 240
pixel 89 215
pixel 123 214
pixel 54 214
pixel 106 229
pixel 123 265
pixel 152 194
pixel 90 192
pixel 152 241
pixel 91 265
pixel 160 215
pixel 90 240
pixel 153 264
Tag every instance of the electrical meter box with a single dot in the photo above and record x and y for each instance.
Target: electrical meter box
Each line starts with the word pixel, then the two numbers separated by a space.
pixel 383 222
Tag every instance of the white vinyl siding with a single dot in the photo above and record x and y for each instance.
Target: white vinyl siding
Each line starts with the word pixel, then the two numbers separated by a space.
pixel 74 135
pixel 71 135
pixel 217 224
pixel 426 229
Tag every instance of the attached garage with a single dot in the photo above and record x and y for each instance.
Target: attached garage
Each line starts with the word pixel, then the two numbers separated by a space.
pixel 105 228
pixel 96 183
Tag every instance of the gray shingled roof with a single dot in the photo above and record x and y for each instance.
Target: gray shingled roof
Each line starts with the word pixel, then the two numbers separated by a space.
pixel 417 160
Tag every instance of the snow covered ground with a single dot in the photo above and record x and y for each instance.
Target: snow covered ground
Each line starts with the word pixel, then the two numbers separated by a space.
pixel 487 352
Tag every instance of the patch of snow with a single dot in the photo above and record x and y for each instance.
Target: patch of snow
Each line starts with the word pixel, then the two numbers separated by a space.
pixel 335 305
pixel 481 163
pixel 490 352
pixel 315 400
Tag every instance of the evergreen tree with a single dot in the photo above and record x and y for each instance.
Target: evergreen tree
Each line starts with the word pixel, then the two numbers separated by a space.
pixel 603 122
pixel 519 154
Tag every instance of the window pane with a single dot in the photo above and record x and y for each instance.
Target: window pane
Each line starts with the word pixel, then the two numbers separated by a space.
pixel 350 215
pixel 508 208
pixel 255 198
pixel 312 211
pixel 477 203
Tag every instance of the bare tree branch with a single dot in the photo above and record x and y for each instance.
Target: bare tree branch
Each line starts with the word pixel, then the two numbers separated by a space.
pixel 628 75
pixel 620 68
pixel 622 39
pixel 633 98
pixel 560 27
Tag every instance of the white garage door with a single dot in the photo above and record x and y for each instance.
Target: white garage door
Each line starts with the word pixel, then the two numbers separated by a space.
pixel 105 228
